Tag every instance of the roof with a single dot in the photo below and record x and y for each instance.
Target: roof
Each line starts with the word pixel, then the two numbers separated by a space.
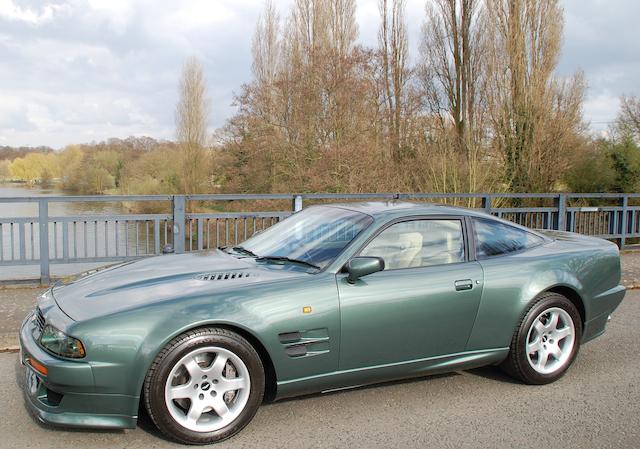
pixel 379 209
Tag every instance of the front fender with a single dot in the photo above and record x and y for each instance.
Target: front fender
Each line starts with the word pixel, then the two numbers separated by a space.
pixel 123 346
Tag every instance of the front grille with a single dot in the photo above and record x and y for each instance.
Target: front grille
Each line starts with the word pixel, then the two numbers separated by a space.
pixel 39 319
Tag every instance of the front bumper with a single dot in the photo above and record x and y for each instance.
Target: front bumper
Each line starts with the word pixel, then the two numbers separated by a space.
pixel 65 396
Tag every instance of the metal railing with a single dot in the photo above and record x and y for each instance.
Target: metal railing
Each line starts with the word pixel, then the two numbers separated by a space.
pixel 92 238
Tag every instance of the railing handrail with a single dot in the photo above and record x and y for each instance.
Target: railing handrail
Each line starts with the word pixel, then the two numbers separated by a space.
pixel 289 196
pixel 46 239
pixel 84 198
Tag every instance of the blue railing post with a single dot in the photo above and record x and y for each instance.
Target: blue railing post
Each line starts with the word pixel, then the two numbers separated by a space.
pixel 623 222
pixel 561 204
pixel 486 203
pixel 178 223
pixel 296 204
pixel 43 231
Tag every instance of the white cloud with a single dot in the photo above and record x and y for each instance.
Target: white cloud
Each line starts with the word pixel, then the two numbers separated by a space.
pixel 119 13
pixel 601 109
pixel 76 70
pixel 601 37
pixel 9 10
pixel 200 13
pixel 86 117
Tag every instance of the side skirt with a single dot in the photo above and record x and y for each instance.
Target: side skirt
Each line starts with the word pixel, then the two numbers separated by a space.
pixel 388 372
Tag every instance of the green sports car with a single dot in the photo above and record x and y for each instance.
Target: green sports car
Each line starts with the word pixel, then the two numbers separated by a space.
pixel 334 296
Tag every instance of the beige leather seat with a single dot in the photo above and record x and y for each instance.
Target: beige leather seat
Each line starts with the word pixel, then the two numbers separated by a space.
pixel 445 249
pixel 410 248
pixel 398 250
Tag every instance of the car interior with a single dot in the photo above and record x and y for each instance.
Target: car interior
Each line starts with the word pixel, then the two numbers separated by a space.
pixel 418 243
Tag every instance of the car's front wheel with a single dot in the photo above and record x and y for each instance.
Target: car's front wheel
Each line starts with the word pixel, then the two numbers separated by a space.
pixel 204 386
pixel 546 341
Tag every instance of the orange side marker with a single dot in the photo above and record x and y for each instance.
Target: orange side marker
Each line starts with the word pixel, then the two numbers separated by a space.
pixel 39 367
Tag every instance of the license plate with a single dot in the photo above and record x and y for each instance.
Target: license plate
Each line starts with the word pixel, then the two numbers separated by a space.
pixel 32 382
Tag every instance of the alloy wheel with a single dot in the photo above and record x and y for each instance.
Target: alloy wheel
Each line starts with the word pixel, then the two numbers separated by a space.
pixel 550 341
pixel 207 389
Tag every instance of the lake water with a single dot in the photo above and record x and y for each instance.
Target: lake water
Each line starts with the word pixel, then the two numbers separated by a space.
pixel 78 244
pixel 87 232
pixel 55 209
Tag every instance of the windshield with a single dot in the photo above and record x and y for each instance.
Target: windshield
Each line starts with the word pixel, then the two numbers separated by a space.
pixel 314 236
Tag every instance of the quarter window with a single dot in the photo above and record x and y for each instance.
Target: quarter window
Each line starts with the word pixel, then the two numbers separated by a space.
pixel 418 243
pixel 494 238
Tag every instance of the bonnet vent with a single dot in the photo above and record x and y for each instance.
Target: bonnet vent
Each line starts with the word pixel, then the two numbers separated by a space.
pixel 223 276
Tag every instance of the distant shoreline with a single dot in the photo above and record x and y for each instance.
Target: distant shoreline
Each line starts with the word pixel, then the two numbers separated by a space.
pixel 42 184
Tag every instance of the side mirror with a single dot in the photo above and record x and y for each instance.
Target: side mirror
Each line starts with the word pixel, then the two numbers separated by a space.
pixel 362 266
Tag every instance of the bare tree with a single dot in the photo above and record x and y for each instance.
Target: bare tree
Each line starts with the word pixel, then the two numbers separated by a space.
pixel 535 115
pixel 452 72
pixel 319 96
pixel 192 115
pixel 266 46
pixel 309 22
pixel 628 121
pixel 343 28
pixel 393 46
pixel 324 113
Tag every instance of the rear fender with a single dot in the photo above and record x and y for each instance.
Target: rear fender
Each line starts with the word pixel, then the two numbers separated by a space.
pixel 509 291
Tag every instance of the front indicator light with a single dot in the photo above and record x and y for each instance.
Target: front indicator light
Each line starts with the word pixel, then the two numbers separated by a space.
pixel 61 344
pixel 39 367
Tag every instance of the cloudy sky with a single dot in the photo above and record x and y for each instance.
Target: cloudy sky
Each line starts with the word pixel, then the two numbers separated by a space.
pixel 79 71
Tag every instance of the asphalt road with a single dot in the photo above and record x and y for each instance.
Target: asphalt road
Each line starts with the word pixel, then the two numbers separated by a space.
pixel 596 405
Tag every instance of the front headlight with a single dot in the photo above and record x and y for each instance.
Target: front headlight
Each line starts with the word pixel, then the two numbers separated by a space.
pixel 60 343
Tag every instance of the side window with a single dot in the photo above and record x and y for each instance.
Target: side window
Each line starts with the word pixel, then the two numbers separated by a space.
pixel 494 238
pixel 418 243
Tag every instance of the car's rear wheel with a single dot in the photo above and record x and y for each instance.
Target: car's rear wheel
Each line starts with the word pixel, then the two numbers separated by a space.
pixel 204 386
pixel 546 342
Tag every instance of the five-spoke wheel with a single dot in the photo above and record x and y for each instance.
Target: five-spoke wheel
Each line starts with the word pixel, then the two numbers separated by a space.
pixel 205 386
pixel 546 342
pixel 207 389
pixel 550 340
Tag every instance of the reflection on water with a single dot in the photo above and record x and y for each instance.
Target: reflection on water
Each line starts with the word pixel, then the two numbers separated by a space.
pixel 55 209
pixel 104 231
pixel 91 234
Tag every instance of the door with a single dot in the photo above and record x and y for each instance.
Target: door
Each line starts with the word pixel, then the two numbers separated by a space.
pixel 422 305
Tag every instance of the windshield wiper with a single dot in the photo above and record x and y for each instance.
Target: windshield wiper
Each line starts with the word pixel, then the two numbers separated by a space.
pixel 243 250
pixel 288 259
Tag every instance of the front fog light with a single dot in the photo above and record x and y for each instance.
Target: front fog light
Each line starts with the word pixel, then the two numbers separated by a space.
pixel 60 343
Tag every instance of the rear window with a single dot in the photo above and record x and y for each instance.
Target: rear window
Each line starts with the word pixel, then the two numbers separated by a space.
pixel 494 238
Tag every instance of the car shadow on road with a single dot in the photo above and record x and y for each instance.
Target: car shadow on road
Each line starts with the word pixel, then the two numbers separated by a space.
pixel 493 373
pixel 488 372
pixel 146 424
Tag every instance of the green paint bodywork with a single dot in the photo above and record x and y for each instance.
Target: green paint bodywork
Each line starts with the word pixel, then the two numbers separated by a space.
pixel 387 325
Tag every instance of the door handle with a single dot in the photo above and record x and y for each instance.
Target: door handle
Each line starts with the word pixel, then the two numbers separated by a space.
pixel 463 284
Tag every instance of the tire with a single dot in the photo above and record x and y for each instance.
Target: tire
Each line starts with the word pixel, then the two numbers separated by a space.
pixel 204 386
pixel 546 342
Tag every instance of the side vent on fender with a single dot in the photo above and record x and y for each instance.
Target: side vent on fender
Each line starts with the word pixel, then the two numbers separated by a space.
pixel 223 276
pixel 305 343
